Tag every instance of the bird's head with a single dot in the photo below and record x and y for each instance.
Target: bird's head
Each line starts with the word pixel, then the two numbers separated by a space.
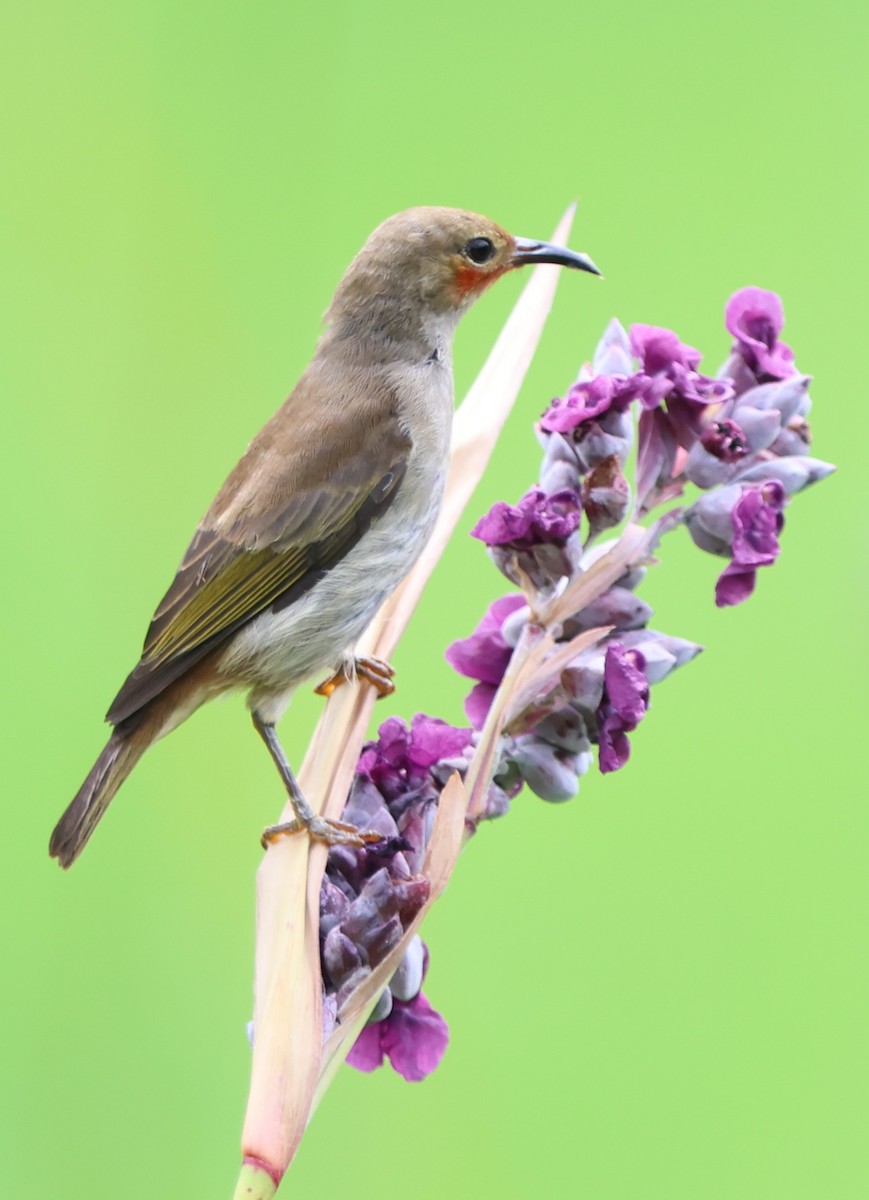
pixel 438 261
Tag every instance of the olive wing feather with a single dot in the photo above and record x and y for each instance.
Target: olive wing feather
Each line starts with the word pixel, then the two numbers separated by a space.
pixel 242 562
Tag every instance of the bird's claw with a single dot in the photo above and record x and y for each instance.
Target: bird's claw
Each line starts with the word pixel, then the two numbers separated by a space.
pixel 321 829
pixel 377 672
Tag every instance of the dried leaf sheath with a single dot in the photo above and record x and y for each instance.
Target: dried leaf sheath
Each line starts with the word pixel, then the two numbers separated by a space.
pixel 288 1009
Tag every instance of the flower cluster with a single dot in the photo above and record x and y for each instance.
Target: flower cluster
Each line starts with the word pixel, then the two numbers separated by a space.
pixel 740 438
pixel 370 894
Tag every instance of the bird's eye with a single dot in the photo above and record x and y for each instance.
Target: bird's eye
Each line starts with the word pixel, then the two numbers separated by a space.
pixel 479 250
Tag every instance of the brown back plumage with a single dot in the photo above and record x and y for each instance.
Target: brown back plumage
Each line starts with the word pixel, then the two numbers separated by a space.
pixel 315 499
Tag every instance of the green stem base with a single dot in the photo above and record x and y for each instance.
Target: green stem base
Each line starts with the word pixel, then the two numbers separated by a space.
pixel 254 1183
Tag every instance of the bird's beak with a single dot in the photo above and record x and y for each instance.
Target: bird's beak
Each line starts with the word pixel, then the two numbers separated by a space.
pixel 526 252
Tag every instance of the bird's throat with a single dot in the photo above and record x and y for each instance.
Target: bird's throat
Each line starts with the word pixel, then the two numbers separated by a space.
pixel 469 281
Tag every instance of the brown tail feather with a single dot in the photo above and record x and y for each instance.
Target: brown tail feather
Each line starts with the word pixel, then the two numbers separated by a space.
pixel 117 760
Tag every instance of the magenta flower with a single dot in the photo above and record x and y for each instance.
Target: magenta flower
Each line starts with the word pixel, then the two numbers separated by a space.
pixel 755 317
pixel 725 440
pixel 669 373
pixel 538 519
pixel 670 376
pixel 757 520
pixel 484 656
pixel 413 1037
pixel 589 399
pixel 407 754
pixel 660 351
pixel 624 704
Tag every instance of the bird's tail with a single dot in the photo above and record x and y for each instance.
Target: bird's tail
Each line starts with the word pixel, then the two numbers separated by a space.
pixel 122 752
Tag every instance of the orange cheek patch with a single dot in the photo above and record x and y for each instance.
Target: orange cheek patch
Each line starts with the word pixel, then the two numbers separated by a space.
pixel 469 281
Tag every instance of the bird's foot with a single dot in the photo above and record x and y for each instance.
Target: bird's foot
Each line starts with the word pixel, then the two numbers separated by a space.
pixel 378 673
pixel 321 829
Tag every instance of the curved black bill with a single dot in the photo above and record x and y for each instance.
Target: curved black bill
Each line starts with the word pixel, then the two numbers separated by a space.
pixel 528 252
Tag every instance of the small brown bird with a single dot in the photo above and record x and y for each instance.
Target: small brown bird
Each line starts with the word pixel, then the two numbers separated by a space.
pixel 326 512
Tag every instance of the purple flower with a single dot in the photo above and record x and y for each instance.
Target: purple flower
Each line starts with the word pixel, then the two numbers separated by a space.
pixel 529 542
pixel 659 350
pixel 589 399
pixel 669 375
pixel 413 1037
pixel 625 700
pixel 538 519
pixel 410 1033
pixel 401 757
pixel 757 520
pixel 755 318
pixel 484 656
pixel 724 440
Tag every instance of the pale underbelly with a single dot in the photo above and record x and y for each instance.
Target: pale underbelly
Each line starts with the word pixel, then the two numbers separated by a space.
pixel 278 650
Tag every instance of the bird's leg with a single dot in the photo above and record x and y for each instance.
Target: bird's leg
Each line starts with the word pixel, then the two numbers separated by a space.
pixel 335 833
pixel 378 673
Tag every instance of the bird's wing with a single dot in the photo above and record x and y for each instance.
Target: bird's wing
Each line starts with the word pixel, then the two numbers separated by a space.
pixel 286 515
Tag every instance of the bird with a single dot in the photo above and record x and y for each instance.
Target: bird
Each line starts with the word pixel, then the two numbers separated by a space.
pixel 326 511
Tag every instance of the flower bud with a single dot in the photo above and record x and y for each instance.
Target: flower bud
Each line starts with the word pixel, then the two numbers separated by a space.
pixel 407 980
pixel 738 374
pixel 531 540
pixel 606 495
pixel 514 624
pixel 542 566
pixel 582 682
pixel 661 652
pixel 349 985
pixel 794 472
pixel 382 1008
pixel 795 438
pixel 341 956
pixel 333 906
pixel 709 519
pixel 610 436
pixel 564 729
pixel 617 606
pixel 722 444
pixel 613 353
pixel 551 774
pixel 787 397
pixel 497 802
pixel 561 467
pixel 560 476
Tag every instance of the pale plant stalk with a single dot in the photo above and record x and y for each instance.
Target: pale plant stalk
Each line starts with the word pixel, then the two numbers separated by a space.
pixel 291 1067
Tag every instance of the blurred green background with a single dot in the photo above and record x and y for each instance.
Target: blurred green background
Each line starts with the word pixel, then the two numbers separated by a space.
pixel 656 991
